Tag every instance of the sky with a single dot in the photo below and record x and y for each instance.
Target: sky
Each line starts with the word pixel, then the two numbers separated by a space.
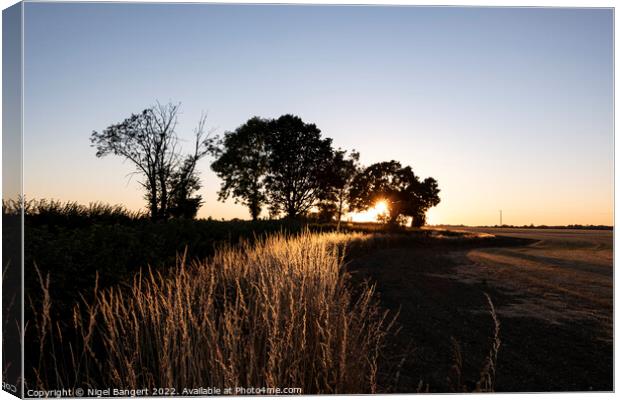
pixel 508 108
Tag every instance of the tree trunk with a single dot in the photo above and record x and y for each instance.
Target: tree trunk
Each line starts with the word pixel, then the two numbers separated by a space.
pixel 394 212
pixel 255 203
pixel 418 220
pixel 291 212
pixel 254 211
pixel 340 206
pixel 163 208
pixel 153 200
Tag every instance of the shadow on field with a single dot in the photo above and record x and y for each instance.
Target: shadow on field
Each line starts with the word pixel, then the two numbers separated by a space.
pixel 438 301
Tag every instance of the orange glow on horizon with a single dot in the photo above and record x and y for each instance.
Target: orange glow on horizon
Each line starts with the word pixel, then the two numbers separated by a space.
pixel 371 215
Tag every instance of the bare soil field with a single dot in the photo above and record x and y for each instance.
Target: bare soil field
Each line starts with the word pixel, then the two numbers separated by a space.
pixel 553 291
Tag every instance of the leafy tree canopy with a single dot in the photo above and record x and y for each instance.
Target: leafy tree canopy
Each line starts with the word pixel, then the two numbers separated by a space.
pixel 241 162
pixel 399 187
pixel 282 162
pixel 298 160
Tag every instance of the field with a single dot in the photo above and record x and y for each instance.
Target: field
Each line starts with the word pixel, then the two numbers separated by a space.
pixel 189 303
pixel 554 297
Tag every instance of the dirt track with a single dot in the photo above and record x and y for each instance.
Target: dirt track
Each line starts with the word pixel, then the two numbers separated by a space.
pixel 554 299
pixel 567 275
pixel 602 239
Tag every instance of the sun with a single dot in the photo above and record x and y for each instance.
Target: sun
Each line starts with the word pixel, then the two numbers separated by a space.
pixel 371 215
pixel 381 207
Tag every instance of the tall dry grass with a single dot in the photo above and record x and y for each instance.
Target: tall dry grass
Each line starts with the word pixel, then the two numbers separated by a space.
pixel 277 313
pixel 486 382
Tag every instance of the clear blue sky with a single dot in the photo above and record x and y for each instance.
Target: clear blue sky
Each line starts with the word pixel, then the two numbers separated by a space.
pixel 507 108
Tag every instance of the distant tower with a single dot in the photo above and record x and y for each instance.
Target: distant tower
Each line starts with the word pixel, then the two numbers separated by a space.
pixel 500 218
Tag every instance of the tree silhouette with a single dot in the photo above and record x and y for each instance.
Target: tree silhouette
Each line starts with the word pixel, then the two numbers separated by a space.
pixel 241 162
pixel 184 181
pixel 282 162
pixel 149 141
pixel 298 158
pixel 336 183
pixel 399 187
pixel 426 194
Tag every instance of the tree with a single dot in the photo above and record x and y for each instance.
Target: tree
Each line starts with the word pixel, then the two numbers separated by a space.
pixel 184 181
pixel 337 180
pixel 283 163
pixel 298 158
pixel 327 211
pixel 399 187
pixel 426 195
pixel 241 162
pixel 149 141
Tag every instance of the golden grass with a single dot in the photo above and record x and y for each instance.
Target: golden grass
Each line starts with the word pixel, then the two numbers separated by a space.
pixel 486 383
pixel 278 313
